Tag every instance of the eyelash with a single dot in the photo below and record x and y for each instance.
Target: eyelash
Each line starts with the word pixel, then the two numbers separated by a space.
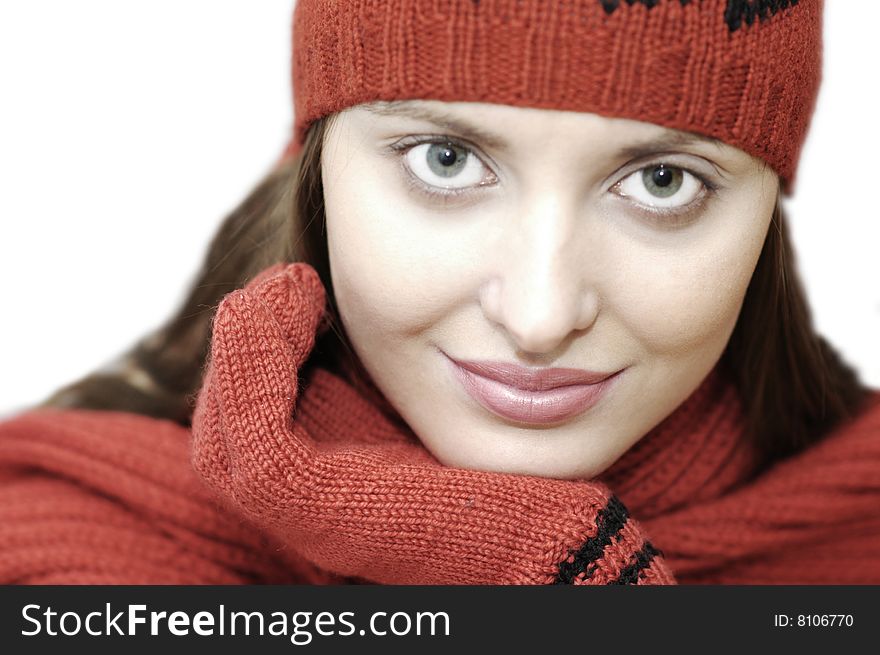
pixel 448 195
pixel 445 195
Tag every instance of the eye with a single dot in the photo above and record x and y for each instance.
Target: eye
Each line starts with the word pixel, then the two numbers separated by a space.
pixel 443 166
pixel 662 188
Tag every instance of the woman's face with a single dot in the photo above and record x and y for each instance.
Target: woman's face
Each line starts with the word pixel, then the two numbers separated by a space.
pixel 464 237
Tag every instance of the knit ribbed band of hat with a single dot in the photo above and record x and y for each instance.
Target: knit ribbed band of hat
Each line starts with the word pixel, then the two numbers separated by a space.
pixel 746 72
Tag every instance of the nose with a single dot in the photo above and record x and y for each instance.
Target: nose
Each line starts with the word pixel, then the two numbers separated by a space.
pixel 539 288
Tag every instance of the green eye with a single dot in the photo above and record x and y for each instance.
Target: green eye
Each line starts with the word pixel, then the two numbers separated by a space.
pixel 662 189
pixel 662 181
pixel 441 167
pixel 445 159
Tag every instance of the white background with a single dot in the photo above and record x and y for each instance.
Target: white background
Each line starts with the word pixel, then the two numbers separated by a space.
pixel 129 129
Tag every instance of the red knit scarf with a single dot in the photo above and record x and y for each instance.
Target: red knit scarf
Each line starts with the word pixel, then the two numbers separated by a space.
pixel 289 478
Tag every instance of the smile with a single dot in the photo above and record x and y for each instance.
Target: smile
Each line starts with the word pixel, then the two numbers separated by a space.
pixel 537 397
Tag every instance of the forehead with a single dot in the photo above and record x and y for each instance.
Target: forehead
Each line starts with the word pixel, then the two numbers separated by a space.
pixel 493 125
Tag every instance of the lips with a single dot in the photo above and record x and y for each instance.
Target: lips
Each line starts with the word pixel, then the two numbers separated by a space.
pixel 527 379
pixel 535 396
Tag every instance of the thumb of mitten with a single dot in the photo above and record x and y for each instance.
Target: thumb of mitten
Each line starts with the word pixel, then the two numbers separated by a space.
pixel 262 334
pixel 290 294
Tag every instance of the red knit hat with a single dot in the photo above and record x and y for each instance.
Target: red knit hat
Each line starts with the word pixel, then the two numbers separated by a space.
pixel 744 71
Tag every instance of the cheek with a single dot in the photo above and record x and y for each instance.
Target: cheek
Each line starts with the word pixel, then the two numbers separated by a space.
pixel 675 305
pixel 394 271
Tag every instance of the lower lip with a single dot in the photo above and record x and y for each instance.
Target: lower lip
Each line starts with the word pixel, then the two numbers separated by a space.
pixel 533 407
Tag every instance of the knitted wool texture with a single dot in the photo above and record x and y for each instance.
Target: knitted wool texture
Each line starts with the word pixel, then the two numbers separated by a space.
pixel 291 479
pixel 746 72
pixel 367 500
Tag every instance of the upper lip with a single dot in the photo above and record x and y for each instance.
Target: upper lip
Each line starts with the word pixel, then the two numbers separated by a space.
pixel 531 379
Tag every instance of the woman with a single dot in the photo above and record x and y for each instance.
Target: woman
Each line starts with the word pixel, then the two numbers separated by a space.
pixel 541 326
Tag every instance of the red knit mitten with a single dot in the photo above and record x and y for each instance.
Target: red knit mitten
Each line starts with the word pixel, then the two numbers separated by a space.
pixel 384 510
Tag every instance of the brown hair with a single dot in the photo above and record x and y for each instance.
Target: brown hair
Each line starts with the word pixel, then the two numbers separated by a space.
pixel 794 386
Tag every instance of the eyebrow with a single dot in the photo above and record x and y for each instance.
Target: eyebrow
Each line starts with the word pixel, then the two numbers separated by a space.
pixel 665 140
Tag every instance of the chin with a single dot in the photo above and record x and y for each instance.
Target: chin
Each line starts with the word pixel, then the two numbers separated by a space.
pixel 524 466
